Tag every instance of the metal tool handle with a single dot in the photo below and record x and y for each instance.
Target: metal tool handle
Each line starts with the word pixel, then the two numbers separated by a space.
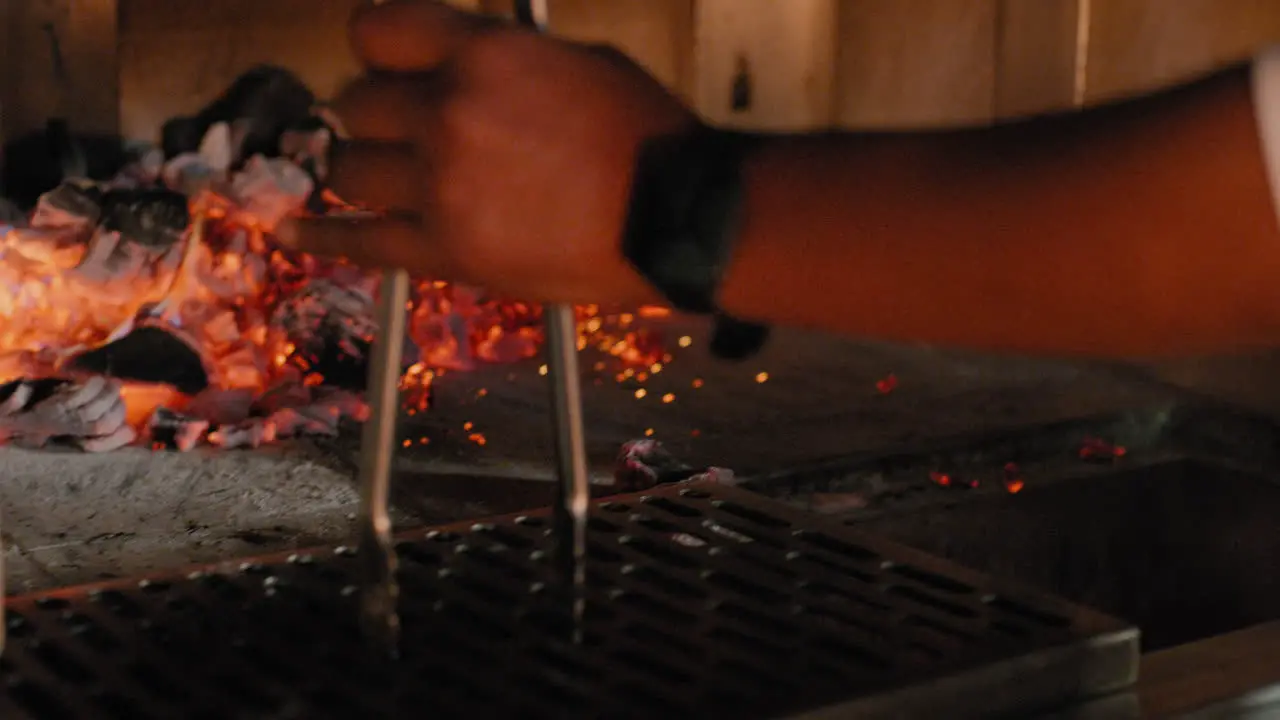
pixel 573 491
pixel 379 589
pixel 376 553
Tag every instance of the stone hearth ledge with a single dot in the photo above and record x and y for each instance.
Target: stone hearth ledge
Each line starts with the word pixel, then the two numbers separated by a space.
pixel 71 517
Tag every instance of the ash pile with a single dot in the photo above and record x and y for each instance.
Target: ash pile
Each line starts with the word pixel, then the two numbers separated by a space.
pixel 128 323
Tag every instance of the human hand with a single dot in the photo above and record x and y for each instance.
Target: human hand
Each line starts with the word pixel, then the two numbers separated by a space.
pixel 504 157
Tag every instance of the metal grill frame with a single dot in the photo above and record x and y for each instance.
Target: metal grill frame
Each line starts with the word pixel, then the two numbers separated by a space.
pixel 703 600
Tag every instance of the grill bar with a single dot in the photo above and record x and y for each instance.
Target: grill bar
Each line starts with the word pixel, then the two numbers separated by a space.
pixel 700 600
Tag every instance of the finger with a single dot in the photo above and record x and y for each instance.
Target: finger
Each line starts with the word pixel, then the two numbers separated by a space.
pixel 410 35
pixel 370 242
pixel 390 108
pixel 383 175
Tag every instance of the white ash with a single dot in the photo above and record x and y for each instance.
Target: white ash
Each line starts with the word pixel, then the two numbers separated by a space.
pixel 144 170
pixel 308 146
pixel 216 148
pixel 89 412
pixel 205 169
pixel 189 174
pixel 268 190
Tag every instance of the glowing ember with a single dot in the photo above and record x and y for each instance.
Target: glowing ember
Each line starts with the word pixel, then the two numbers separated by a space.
pixel 1013 481
pixel 1097 449
pixel 887 384
pixel 258 317
pixel 181 248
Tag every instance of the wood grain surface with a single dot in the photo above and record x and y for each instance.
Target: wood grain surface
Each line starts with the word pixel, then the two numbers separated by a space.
pixel 814 63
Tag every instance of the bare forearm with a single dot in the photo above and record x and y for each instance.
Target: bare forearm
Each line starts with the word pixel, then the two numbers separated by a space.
pixel 1142 229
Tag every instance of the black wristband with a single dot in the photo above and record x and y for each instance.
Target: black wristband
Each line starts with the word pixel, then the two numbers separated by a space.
pixel 683 223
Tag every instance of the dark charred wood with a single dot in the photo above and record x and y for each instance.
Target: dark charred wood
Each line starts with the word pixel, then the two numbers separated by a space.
pixel 154 218
pixel 78 198
pixel 261 104
pixel 177 431
pixel 148 354
pixel 11 214
pixel 33 163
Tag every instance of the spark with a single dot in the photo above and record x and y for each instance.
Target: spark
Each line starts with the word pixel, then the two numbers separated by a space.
pixel 762 377
pixel 641 393
pixel 685 341
pixel 887 384
pixel 669 398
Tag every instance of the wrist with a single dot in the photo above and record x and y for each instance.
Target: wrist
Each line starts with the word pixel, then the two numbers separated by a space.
pixel 683 222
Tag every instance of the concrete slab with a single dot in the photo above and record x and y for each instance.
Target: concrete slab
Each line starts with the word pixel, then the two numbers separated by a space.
pixel 72 517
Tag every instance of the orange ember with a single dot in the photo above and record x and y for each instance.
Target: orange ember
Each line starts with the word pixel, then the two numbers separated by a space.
pixel 223 288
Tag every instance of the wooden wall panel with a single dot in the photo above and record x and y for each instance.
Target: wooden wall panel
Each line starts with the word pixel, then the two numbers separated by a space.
pixel 28 76
pixel 1036 56
pixel 916 63
pixel 780 55
pixel 91 49
pixel 1139 45
pixel 176 55
pixel 657 34
pixel 851 63
pixel 29 94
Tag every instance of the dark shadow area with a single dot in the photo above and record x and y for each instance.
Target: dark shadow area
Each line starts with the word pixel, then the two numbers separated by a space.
pixel 1184 550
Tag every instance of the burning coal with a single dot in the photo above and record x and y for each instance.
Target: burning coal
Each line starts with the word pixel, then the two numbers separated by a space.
pixel 156 307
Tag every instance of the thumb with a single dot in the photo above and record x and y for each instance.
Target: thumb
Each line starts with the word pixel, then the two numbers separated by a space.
pixel 409 35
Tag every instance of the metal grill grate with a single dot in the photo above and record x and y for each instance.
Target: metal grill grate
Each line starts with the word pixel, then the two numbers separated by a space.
pixel 705 601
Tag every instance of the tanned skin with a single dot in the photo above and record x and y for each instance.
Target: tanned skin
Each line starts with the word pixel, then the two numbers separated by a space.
pixel 1138 230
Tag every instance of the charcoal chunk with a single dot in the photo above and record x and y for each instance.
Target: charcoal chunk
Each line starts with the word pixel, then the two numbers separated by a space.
pixel 148 354
pixel 154 218
pixel 260 104
pixel 11 214
pixel 175 430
